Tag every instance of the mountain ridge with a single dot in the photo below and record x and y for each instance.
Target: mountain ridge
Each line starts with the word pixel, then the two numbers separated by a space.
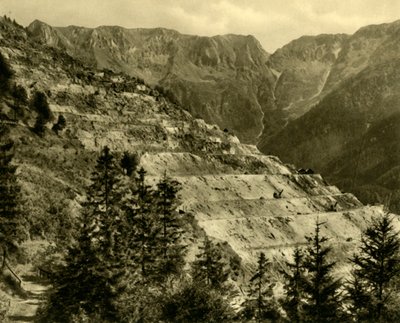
pixel 191 66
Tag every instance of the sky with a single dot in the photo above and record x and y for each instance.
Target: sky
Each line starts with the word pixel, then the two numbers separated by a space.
pixel 273 22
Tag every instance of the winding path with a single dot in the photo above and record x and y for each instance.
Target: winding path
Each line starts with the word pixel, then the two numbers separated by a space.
pixel 24 309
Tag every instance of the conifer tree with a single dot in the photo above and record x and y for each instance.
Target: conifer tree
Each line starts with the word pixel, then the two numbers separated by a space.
pixel 358 297
pixel 11 220
pixel 209 269
pixel 173 251
pixel 143 222
pixel 155 250
pixel 143 245
pixel 376 266
pixel 104 202
pixel 260 302
pixel 93 278
pixel 321 289
pixel 294 280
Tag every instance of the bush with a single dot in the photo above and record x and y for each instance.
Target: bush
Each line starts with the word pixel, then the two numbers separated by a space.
pixel 60 125
pixel 5 74
pixel 19 93
pixel 40 126
pixel 40 105
pixel 129 162
pixel 195 303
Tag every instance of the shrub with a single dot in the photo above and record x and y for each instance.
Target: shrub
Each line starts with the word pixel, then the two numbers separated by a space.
pixel 195 303
pixel 60 125
pixel 5 74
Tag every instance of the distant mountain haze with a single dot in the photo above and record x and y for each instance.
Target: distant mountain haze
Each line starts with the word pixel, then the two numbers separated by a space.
pixel 311 102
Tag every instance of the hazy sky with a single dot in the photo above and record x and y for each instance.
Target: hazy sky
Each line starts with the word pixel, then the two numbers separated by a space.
pixel 273 22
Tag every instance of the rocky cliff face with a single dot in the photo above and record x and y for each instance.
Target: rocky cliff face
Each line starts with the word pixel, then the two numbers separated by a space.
pixel 304 66
pixel 228 186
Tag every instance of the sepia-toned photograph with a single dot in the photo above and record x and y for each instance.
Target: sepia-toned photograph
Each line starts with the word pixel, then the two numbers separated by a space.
pixel 215 161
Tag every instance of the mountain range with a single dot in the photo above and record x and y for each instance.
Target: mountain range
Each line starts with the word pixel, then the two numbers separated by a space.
pixel 314 102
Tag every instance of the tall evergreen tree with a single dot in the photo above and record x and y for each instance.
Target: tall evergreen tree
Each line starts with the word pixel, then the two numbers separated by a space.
pixel 321 289
pixel 144 242
pixel 209 268
pixel 93 277
pixel 173 251
pixel 294 287
pixel 104 203
pixel 260 302
pixel 376 266
pixel 155 250
pixel 358 298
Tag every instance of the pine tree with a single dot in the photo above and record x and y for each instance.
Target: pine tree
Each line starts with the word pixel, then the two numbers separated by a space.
pixel 143 244
pixel 143 222
pixel 358 297
pixel 209 269
pixel 260 302
pixel 376 266
pixel 294 280
pixel 321 289
pixel 173 251
pixel 104 203
pixel 95 270
pixel 11 219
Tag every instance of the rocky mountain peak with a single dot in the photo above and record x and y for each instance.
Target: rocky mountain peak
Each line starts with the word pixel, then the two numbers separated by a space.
pixel 323 48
